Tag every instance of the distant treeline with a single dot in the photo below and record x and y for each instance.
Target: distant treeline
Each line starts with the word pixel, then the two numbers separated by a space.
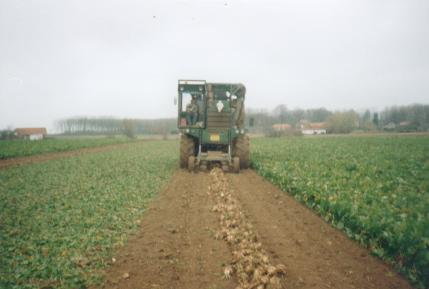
pixel 111 125
pixel 396 118
pixel 281 114
pixel 409 118
pixel 414 117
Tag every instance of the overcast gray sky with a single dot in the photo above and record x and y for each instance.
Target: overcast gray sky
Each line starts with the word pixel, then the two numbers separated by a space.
pixel 123 58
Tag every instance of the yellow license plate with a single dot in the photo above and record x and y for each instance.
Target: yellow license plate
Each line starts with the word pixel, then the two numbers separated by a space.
pixel 214 137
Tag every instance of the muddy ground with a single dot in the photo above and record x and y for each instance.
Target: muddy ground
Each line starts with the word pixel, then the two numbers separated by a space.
pixel 177 247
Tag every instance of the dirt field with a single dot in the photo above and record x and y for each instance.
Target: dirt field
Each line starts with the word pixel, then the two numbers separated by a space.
pixel 178 244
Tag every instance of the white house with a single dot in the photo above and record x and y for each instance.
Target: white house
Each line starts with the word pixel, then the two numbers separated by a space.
pixel 313 128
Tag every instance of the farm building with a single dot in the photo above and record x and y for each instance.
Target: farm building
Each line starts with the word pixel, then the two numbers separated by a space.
pixel 34 133
pixel 281 126
pixel 313 128
pixel 390 125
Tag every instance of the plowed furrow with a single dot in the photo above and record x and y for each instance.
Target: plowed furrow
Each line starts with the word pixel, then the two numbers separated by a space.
pixel 233 231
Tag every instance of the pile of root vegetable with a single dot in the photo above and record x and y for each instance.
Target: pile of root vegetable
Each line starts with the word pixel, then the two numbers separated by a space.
pixel 250 264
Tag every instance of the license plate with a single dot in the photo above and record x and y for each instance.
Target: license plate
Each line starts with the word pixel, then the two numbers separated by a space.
pixel 214 137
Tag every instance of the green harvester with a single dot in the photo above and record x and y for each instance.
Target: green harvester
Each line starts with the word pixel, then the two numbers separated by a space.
pixel 211 122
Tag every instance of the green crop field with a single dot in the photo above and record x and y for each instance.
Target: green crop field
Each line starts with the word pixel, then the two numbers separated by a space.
pixel 375 188
pixel 20 148
pixel 60 220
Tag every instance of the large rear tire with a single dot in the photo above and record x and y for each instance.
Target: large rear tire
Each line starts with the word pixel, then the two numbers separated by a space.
pixel 242 151
pixel 191 163
pixel 236 165
pixel 187 149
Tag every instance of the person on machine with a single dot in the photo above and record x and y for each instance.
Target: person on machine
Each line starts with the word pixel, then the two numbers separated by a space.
pixel 237 107
pixel 192 111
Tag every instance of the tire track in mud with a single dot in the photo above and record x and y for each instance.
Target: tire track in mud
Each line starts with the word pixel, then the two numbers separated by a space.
pixel 184 242
pixel 316 255
pixel 175 247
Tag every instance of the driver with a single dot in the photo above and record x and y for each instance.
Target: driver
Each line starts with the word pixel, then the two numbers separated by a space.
pixel 237 106
pixel 192 111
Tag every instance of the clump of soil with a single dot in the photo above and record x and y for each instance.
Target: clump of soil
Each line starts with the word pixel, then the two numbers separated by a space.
pixel 250 264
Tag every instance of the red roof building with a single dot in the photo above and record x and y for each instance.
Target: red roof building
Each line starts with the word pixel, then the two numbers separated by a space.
pixel 34 133
pixel 281 126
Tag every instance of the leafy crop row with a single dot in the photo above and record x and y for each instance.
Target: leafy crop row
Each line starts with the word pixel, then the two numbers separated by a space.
pixel 20 148
pixel 61 219
pixel 375 188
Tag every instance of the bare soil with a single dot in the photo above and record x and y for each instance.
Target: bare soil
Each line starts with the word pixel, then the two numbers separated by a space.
pixel 6 163
pixel 176 245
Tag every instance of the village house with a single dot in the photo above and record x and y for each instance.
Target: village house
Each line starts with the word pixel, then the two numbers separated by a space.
pixel 35 133
pixel 281 127
pixel 390 125
pixel 405 123
pixel 311 128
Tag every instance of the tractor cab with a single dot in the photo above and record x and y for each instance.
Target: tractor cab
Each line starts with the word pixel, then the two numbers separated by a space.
pixel 192 103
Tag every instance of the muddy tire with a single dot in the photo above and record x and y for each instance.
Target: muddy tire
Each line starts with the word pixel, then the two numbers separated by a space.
pixel 242 151
pixel 191 163
pixel 236 165
pixel 187 149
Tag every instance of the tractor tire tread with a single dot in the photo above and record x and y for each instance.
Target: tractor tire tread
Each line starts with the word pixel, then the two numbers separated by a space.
pixel 186 150
pixel 242 150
